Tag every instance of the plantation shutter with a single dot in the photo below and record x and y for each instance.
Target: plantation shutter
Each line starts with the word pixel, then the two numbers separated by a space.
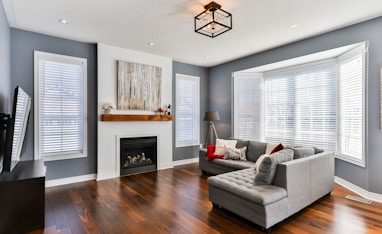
pixel 187 110
pixel 61 105
pixel 247 105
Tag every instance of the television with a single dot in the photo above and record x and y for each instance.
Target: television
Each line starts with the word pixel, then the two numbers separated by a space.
pixel 15 126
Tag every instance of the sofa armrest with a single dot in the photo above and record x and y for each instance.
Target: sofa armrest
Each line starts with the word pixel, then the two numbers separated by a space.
pixel 294 176
pixel 306 179
pixel 202 158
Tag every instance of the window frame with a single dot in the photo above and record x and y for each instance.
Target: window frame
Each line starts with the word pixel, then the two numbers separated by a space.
pixel 38 55
pixel 360 50
pixel 195 142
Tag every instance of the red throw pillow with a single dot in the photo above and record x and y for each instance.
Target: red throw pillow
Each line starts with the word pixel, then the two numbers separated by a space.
pixel 277 148
pixel 210 150
pixel 210 153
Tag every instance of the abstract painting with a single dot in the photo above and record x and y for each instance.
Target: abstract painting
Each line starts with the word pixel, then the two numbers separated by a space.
pixel 139 86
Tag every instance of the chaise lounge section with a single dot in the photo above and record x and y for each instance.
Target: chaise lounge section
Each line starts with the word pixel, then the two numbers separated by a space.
pixel 295 185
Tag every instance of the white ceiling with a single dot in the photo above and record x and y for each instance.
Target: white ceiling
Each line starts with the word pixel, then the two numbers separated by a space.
pixel 258 25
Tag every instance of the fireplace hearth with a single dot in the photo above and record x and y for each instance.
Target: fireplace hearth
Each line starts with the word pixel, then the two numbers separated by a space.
pixel 138 154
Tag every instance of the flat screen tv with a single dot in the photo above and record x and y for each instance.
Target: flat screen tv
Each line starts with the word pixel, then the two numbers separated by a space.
pixel 16 125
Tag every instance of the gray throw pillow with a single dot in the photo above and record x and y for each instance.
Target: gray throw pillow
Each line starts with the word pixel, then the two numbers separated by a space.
pixel 267 169
pixel 302 152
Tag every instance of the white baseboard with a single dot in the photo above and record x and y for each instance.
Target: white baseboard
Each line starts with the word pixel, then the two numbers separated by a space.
pixel 69 180
pixel 76 179
pixel 185 161
pixel 164 166
pixel 358 190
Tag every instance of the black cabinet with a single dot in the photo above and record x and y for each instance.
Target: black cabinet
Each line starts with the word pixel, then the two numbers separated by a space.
pixel 22 197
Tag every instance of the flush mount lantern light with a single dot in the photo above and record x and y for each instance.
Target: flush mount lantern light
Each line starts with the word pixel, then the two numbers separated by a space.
pixel 213 21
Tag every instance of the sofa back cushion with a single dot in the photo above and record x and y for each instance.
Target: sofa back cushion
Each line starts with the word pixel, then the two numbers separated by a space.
pixel 302 152
pixel 255 150
pixel 267 169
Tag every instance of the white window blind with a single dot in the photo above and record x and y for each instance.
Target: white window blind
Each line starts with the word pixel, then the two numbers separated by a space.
pixel 187 110
pixel 300 106
pixel 351 111
pixel 60 83
pixel 247 105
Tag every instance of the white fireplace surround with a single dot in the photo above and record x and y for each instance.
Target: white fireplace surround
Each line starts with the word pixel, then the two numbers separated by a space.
pixel 109 133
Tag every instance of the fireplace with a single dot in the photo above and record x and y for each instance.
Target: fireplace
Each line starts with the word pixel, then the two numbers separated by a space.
pixel 138 154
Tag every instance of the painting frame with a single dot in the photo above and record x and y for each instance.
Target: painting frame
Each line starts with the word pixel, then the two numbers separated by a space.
pixel 139 86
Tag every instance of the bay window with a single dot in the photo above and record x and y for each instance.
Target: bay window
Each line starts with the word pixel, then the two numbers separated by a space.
pixel 320 103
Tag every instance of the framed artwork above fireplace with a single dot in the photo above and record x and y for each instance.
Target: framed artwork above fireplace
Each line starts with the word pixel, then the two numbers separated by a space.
pixel 139 86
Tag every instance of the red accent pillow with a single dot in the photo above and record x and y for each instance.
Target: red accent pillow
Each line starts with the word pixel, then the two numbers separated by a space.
pixel 210 153
pixel 277 148
pixel 210 150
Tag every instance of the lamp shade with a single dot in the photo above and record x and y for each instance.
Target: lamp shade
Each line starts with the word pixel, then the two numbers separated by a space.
pixel 211 115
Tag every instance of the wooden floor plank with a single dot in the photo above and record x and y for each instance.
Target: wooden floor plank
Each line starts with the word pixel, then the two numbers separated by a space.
pixel 176 201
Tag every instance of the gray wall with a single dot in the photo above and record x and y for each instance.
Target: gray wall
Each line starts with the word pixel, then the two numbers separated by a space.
pixel 5 73
pixel 22 72
pixel 186 69
pixel 220 92
pixel 5 57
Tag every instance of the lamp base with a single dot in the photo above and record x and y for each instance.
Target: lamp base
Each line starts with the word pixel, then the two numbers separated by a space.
pixel 211 133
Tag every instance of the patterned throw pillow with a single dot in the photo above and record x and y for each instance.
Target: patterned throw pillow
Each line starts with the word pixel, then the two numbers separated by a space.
pixel 236 154
pixel 223 145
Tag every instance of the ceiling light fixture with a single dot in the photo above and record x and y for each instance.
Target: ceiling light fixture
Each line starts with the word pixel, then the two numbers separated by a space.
pixel 213 21
pixel 64 21
pixel 294 26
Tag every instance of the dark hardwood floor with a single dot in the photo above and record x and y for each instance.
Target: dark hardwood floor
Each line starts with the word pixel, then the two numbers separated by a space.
pixel 176 201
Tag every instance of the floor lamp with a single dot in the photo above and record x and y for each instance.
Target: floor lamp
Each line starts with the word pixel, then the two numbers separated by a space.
pixel 211 132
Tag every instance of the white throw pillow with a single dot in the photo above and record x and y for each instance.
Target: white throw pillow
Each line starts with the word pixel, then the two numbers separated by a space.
pixel 222 145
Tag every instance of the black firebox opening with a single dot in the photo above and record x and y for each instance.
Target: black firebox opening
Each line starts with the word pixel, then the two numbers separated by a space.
pixel 138 154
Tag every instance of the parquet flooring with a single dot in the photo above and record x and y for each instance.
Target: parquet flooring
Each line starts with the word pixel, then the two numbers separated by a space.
pixel 176 201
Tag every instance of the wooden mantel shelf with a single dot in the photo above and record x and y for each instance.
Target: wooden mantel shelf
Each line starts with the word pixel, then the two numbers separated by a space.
pixel 122 117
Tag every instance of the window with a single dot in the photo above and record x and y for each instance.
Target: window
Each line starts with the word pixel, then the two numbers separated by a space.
pixel 187 112
pixel 318 104
pixel 60 106
pixel 351 114
pixel 247 105
pixel 300 105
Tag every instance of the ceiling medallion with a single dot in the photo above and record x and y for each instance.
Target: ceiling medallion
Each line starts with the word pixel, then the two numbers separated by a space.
pixel 213 21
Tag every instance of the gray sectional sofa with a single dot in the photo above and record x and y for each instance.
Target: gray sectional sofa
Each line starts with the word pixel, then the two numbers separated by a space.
pixel 295 184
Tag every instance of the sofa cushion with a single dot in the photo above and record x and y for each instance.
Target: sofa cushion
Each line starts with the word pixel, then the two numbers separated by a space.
pixel 234 163
pixel 222 145
pixel 240 143
pixel 317 150
pixel 236 154
pixel 268 166
pixel 255 150
pixel 302 152
pixel 242 184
